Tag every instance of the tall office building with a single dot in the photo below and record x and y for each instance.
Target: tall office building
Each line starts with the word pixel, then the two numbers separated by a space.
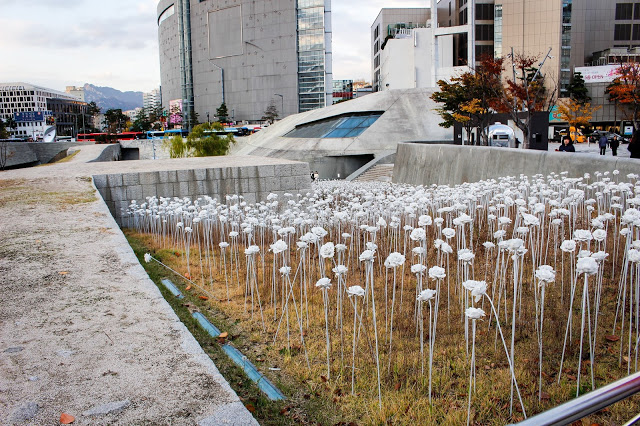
pixel 579 32
pixel 246 53
pixel 576 32
pixel 151 99
pixel 35 108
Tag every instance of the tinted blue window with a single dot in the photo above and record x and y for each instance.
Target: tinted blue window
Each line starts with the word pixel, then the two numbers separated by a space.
pixel 342 126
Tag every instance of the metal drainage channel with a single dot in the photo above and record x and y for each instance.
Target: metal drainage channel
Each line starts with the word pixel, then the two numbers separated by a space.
pixel 269 389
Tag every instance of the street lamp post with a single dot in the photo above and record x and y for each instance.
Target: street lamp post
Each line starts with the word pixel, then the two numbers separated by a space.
pixel 281 102
pixel 208 117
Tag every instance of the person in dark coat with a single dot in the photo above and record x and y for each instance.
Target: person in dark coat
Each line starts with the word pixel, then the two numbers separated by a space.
pixel 614 144
pixel 602 143
pixel 567 145
pixel 634 145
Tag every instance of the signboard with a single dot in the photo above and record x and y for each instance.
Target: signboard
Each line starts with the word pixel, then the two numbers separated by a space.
pixel 554 114
pixel 600 74
pixel 29 116
pixel 628 130
pixel 175 111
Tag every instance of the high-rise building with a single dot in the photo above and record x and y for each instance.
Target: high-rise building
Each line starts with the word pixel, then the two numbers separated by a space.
pixel 246 55
pixel 152 99
pixel 386 25
pixel 575 32
pixel 342 90
pixel 77 92
pixel 34 108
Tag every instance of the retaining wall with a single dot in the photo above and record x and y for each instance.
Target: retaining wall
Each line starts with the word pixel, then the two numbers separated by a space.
pixel 23 154
pixel 254 182
pixel 453 164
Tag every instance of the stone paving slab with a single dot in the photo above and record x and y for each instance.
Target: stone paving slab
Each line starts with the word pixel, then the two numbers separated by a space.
pixel 83 330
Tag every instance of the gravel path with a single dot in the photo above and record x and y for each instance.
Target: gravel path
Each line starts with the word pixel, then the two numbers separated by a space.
pixel 83 330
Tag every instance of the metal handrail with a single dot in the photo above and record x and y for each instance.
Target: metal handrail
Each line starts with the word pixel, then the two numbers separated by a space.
pixel 587 404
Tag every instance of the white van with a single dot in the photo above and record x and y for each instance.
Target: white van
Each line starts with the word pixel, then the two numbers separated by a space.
pixel 502 136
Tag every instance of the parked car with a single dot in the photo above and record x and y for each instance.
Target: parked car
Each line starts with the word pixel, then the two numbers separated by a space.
pixel 610 135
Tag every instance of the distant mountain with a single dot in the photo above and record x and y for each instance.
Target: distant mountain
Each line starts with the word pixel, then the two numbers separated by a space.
pixel 109 98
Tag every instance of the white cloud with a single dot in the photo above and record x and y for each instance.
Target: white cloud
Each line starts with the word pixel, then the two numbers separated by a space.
pixel 115 42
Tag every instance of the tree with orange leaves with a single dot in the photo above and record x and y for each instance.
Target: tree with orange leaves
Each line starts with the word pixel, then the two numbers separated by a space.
pixel 525 93
pixel 625 92
pixel 470 99
pixel 576 114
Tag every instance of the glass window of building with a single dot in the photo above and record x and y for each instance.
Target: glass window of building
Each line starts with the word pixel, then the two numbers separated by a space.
pixel 484 32
pixel 622 32
pixel 624 11
pixel 311 66
pixel 484 12
pixel 342 126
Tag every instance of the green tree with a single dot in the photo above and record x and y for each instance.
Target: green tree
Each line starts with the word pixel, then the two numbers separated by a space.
pixel 115 120
pixel 222 112
pixel 177 147
pixel 578 90
pixel 141 122
pixel 203 141
pixel 11 124
pixel 4 134
pixel 271 113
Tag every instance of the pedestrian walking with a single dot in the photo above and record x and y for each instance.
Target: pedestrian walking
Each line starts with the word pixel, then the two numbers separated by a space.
pixel 602 143
pixel 634 145
pixel 614 144
pixel 567 145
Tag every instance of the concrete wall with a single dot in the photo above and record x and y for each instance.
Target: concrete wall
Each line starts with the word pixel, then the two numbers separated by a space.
pixel 146 147
pixel 409 115
pixel 24 154
pixel 110 153
pixel 453 164
pixel 255 183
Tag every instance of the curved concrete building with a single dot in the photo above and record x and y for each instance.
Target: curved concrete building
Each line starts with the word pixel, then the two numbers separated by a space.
pixel 339 139
pixel 246 53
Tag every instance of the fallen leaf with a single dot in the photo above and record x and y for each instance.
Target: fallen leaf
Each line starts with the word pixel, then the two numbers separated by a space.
pixel 63 272
pixel 397 386
pixel 250 407
pixel 38 241
pixel 323 378
pixel 626 358
pixel 187 275
pixel 188 287
pixel 486 367
pixel 203 297
pixel 612 338
pixel 66 419
pixel 223 335
pixel 545 396
pixel 572 377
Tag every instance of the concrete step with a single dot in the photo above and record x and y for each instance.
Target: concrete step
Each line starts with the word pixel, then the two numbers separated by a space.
pixel 377 173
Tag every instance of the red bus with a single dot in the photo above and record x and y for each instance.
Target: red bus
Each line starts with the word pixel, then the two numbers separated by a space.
pixel 110 138
pixel 91 137
pixel 129 136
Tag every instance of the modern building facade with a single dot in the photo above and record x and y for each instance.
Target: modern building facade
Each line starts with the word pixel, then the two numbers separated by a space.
pixel 342 90
pixel 445 40
pixel 77 92
pixel 152 99
pixel 246 54
pixel 34 109
pixel 385 26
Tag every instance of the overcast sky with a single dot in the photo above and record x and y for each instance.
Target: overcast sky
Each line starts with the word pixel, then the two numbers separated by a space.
pixel 56 43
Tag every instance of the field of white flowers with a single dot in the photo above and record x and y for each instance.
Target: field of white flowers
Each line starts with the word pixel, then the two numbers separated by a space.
pixel 481 303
